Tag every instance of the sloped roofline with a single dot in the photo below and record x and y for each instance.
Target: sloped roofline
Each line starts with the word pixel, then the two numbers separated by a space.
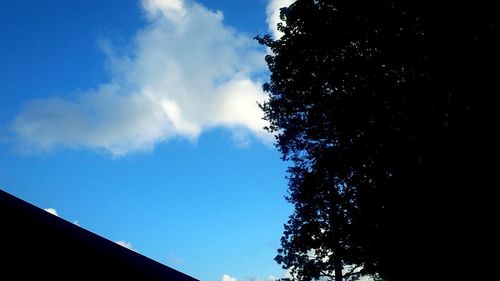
pixel 37 244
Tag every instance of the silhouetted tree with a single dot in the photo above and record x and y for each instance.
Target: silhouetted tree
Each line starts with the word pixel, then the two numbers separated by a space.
pixel 380 107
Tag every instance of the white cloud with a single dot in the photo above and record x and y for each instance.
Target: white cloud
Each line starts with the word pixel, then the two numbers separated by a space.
pixel 52 211
pixel 187 73
pixel 226 277
pixel 271 278
pixel 125 244
pixel 288 274
pixel 174 259
pixel 173 10
pixel 273 15
pixel 365 278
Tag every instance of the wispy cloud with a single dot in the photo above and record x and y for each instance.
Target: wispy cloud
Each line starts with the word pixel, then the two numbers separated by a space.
pixel 174 259
pixel 52 211
pixel 273 15
pixel 187 72
pixel 226 277
pixel 125 244
pixel 269 278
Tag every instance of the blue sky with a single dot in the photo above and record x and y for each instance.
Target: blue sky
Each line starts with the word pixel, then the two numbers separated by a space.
pixel 138 121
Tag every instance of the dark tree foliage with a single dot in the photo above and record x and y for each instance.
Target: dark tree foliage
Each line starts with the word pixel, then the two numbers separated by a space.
pixel 383 109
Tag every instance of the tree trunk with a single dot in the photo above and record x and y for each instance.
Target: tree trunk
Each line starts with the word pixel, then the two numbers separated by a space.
pixel 337 260
pixel 334 218
pixel 335 207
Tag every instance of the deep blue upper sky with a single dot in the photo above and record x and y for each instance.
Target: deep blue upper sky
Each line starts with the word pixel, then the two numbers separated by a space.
pixel 138 120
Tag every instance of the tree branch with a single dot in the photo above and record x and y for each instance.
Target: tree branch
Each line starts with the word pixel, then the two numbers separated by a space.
pixel 352 273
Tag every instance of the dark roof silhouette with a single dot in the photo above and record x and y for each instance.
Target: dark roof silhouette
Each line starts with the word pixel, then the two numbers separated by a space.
pixel 37 244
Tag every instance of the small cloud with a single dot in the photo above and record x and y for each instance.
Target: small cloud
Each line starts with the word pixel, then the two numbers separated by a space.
pixel 173 259
pixel 226 277
pixel 125 244
pixel 52 211
pixel 269 278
